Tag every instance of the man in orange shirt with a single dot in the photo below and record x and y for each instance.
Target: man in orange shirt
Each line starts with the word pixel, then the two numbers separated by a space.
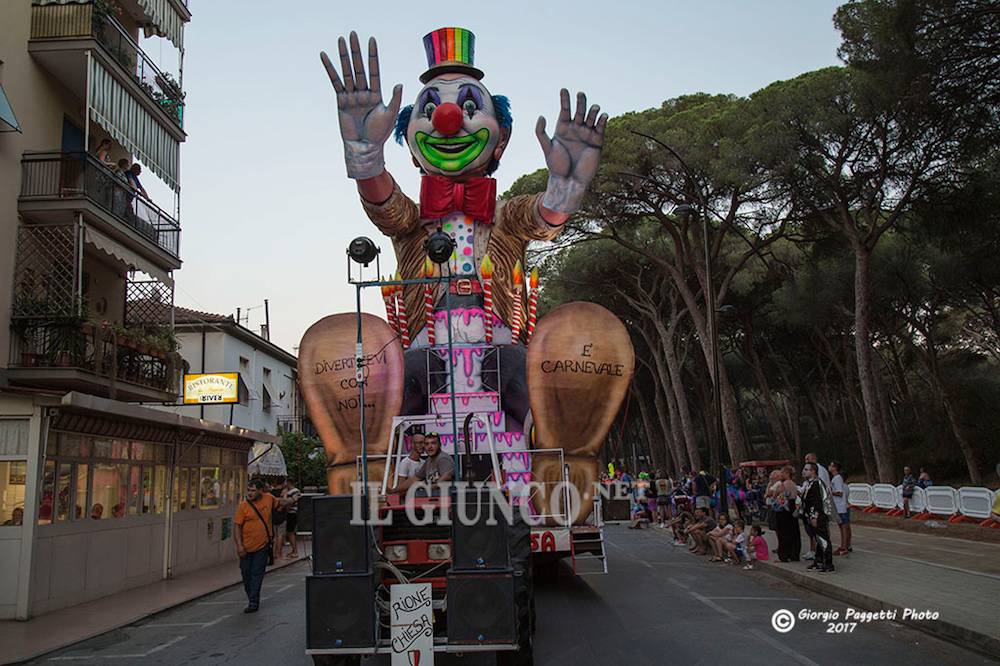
pixel 253 535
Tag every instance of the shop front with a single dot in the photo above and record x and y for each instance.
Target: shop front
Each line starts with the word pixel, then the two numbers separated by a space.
pixel 119 496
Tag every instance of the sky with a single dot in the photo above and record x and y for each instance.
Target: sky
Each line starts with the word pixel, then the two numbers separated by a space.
pixel 266 208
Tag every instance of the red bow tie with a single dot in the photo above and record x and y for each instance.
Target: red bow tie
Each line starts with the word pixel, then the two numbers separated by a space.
pixel 440 197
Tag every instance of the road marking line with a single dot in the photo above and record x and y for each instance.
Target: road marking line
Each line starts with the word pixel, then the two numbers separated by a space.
pixel 931 564
pixel 139 655
pixel 711 604
pixel 240 601
pixel 755 598
pixel 781 647
pixel 200 625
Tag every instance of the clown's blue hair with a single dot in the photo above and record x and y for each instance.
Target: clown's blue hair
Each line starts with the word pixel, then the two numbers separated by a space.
pixel 402 121
pixel 500 103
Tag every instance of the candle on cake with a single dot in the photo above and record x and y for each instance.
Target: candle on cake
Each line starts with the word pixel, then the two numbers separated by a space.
pixel 517 279
pixel 404 322
pixel 532 302
pixel 486 270
pixel 428 273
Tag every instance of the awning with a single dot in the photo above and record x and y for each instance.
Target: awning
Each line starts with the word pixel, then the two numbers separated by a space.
pixel 130 124
pixel 126 256
pixel 266 459
pixel 164 21
pixel 103 416
pixel 8 122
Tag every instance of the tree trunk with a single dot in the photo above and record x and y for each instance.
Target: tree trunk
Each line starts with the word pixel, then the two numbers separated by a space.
pixel 777 427
pixel 680 395
pixel 655 434
pixel 967 451
pixel 866 373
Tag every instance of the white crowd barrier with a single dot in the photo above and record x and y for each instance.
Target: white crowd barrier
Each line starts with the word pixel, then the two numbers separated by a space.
pixel 884 496
pixel 975 502
pixel 859 495
pixel 918 503
pixel 942 500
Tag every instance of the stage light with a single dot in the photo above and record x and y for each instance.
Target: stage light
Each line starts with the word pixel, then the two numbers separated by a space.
pixel 362 250
pixel 439 247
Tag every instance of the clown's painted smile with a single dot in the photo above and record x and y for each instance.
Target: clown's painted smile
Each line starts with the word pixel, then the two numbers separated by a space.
pixel 452 153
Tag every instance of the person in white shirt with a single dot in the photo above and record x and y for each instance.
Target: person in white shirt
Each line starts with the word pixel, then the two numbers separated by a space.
pixel 838 488
pixel 408 466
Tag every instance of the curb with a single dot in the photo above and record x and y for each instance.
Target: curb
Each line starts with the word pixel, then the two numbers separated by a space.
pixel 132 619
pixel 949 631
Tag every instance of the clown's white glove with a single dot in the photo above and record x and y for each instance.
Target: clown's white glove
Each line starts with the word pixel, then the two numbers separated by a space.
pixel 573 154
pixel 365 122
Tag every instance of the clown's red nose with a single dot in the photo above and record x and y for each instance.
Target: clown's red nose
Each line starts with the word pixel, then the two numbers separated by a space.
pixel 447 119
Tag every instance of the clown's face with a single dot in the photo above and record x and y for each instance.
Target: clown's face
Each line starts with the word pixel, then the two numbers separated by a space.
pixel 453 130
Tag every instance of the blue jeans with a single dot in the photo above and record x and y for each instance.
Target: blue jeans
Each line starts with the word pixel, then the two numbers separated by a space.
pixel 252 567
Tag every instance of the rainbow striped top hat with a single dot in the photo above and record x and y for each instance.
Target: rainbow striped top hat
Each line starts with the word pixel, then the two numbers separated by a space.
pixel 450 50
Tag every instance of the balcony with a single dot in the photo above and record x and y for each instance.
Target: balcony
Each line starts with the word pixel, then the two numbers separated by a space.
pixel 55 187
pixel 69 354
pixel 62 34
pixel 299 425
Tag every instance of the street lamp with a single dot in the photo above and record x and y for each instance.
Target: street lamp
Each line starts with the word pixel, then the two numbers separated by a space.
pixel 688 211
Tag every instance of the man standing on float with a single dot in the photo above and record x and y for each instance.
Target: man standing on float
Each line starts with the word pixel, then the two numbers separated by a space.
pixel 456 132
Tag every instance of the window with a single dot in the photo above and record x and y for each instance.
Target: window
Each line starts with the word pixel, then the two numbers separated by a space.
pixel 12 484
pixel 210 488
pixel 81 490
pixel 182 500
pixel 160 486
pixel 107 490
pixel 48 493
pixel 64 491
pixel 146 499
pixel 265 398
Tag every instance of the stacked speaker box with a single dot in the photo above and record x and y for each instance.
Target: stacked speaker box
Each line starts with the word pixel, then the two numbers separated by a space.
pixel 340 595
pixel 481 609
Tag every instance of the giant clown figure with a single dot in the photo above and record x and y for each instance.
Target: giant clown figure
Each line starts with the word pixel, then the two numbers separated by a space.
pixel 570 380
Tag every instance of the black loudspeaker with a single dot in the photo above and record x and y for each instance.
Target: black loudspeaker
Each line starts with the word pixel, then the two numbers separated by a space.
pixel 478 545
pixel 338 546
pixel 305 513
pixel 340 611
pixel 481 609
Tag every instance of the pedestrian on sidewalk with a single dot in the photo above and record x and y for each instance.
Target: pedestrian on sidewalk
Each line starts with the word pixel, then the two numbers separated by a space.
pixel 909 483
pixel 782 496
pixel 838 489
pixel 253 535
pixel 292 494
pixel 823 476
pixel 278 517
pixel 816 507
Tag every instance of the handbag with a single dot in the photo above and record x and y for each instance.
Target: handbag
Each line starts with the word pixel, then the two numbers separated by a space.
pixel 270 537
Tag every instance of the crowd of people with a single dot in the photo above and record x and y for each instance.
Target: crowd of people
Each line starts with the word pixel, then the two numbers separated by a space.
pixel 786 501
pixel 125 175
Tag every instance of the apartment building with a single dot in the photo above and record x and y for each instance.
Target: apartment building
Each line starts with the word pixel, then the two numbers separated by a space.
pixel 99 490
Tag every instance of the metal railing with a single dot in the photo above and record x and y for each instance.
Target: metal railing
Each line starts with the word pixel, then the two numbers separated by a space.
pixel 71 343
pixel 75 175
pixel 85 20
pixel 300 425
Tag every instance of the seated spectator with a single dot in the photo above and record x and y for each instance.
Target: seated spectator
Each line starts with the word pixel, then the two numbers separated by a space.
pixel 97 511
pixel 640 517
pixel 995 510
pixel 719 537
pixel 757 548
pixel 698 531
pixel 735 548
pixel 678 525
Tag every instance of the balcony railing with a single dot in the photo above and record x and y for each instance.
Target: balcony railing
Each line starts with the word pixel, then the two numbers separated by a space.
pixel 75 175
pixel 86 20
pixel 301 425
pixel 73 344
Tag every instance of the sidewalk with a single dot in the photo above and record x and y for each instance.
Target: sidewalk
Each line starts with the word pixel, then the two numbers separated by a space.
pixel 891 569
pixel 20 641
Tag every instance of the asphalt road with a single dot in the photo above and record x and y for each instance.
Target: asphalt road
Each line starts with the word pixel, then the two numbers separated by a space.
pixel 658 605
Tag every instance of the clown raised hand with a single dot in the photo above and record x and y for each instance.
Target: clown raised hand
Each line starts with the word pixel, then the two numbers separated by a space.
pixel 365 121
pixel 572 155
